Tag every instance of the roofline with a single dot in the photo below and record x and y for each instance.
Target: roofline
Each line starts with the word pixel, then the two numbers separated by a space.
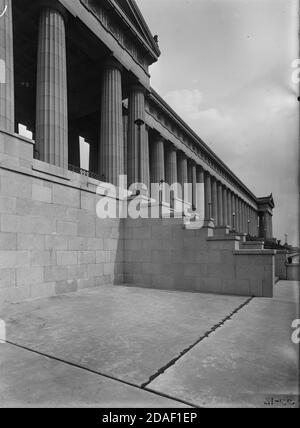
pixel 156 97
pixel 153 50
pixel 150 35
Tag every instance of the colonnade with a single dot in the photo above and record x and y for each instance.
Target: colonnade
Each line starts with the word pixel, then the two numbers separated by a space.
pixel 147 161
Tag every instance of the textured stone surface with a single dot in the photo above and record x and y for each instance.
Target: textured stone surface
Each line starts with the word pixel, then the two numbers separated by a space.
pixel 52 109
pixel 111 128
pixel 245 362
pixel 129 333
pixel 174 258
pixel 137 150
pixel 31 380
pixel 48 244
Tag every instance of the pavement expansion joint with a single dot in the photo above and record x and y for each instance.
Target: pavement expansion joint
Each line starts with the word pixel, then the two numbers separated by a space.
pixel 189 348
pixel 105 375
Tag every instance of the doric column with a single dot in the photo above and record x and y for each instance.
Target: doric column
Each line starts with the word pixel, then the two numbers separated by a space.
pixel 245 217
pixel 237 206
pixel 171 165
pixel 214 197
pixel 182 172
pixel 125 133
pixel 157 163
pixel 248 220
pixel 251 221
pixel 225 211
pixel 52 102
pixel 192 179
pixel 171 170
pixel 240 216
pixel 207 196
pixel 7 110
pixel 200 196
pixel 229 209
pixel 111 129
pixel 137 156
pixel 255 223
pixel 220 204
pixel 234 212
pixel 145 166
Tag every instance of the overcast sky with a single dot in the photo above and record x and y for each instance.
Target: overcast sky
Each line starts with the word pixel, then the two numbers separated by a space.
pixel 226 68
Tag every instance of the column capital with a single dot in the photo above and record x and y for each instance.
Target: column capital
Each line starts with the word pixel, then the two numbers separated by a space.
pixel 138 87
pixel 112 63
pixel 159 138
pixel 55 5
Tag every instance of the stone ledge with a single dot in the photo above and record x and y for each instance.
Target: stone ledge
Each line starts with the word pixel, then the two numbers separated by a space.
pixel 18 136
pixel 224 238
pixel 52 170
pixel 255 252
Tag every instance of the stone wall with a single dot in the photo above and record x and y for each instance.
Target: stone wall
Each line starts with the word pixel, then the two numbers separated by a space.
pixel 280 264
pixel 163 254
pixel 51 241
pixel 293 271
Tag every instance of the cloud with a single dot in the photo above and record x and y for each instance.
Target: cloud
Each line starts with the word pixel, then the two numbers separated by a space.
pixel 186 102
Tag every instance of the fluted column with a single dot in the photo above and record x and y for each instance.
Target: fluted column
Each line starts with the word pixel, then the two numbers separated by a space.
pixel 229 209
pixel 220 204
pixel 245 217
pixel 182 171
pixel 214 197
pixel 52 102
pixel 200 197
pixel 145 161
pixel 207 196
pixel 7 110
pixel 171 170
pixel 251 221
pixel 125 133
pixel 137 152
pixel 157 164
pixel 248 220
pixel 225 217
pixel 111 129
pixel 237 206
pixel 240 215
pixel 192 179
pixel 234 212
pixel 171 165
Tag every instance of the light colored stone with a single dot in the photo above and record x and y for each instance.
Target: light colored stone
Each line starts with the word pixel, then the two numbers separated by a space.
pixel 30 276
pixel 41 193
pixel 52 109
pixel 8 241
pixel 31 242
pixel 7 277
pixel 65 258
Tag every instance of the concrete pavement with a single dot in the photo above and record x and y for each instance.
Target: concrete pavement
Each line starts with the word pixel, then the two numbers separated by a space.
pixel 112 346
pixel 245 363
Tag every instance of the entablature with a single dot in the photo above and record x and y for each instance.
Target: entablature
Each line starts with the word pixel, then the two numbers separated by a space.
pixel 113 18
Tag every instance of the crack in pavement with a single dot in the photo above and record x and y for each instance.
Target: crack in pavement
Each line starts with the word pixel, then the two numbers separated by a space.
pixel 189 348
pixel 107 376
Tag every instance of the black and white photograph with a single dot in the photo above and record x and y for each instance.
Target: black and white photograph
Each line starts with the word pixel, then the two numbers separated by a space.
pixel 149 207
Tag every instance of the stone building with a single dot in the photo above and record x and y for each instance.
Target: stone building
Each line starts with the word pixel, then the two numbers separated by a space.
pixel 77 71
